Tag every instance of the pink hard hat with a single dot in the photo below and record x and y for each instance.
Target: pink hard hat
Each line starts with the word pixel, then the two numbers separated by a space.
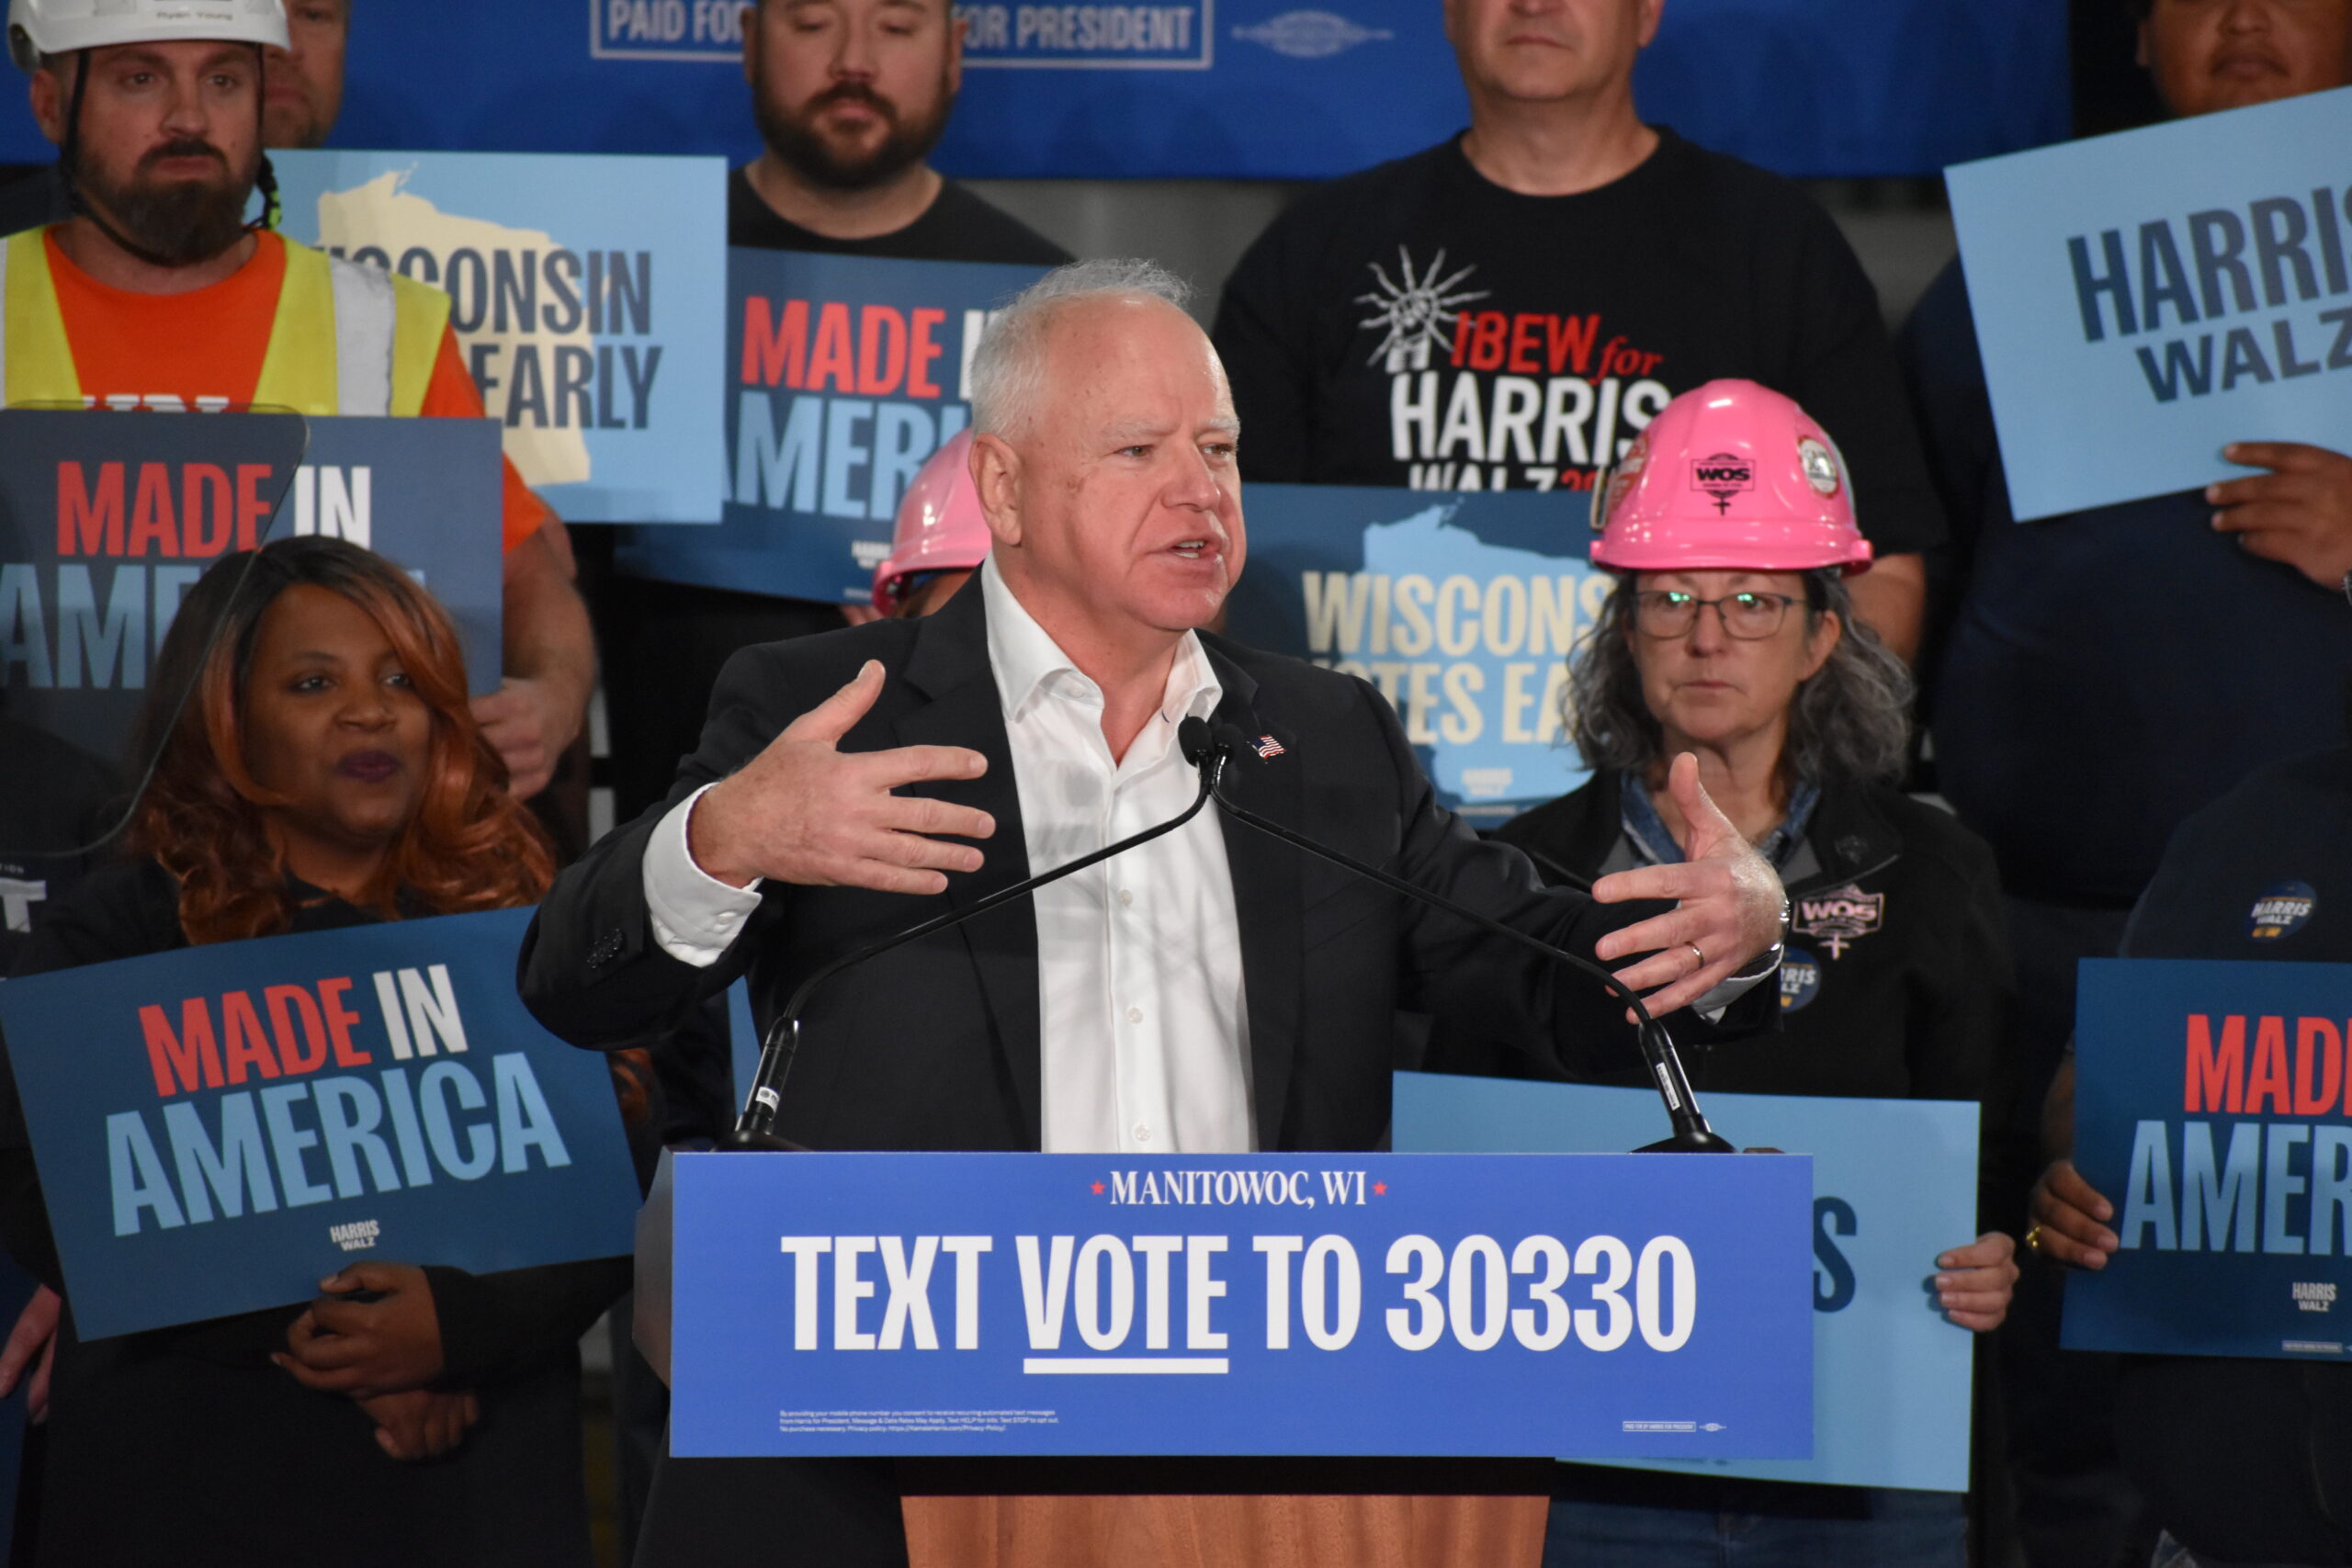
pixel 939 525
pixel 1730 476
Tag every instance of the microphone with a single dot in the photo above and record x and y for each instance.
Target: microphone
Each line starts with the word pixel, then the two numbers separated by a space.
pixel 755 1127
pixel 1210 751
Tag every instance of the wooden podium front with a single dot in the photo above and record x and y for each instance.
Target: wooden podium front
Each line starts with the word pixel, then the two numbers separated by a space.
pixel 1120 1513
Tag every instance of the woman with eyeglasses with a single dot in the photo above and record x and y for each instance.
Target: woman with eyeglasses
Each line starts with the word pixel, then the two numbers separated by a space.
pixel 1730 634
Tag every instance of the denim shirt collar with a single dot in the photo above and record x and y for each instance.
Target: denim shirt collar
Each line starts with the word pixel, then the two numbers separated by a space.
pixel 1645 829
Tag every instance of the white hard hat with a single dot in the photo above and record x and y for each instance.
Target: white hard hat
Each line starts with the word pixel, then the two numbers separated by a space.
pixel 38 27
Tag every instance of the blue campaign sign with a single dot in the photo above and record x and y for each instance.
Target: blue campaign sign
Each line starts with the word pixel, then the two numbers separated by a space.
pixel 239 1118
pixel 845 373
pixel 2210 1108
pixel 2144 299
pixel 1461 608
pixel 1375 1303
pixel 1250 89
pixel 585 293
pixel 106 520
pixel 1895 1185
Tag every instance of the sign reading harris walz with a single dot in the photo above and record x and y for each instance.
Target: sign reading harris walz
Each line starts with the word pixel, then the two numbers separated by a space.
pixel 2144 298
pixel 107 519
pixel 241 1118
pixel 2210 1110
pixel 1373 1303
pixel 585 292
pixel 843 375
pixel 1461 609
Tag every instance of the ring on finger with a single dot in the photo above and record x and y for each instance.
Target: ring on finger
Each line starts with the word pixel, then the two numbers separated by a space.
pixel 1697 954
pixel 2033 1239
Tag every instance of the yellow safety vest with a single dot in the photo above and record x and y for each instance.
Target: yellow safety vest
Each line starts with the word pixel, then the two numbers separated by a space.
pixel 348 339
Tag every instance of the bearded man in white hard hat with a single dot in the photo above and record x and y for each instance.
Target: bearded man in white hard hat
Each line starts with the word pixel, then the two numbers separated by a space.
pixel 160 293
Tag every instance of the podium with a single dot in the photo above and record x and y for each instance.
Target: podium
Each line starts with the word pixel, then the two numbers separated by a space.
pixel 956 1316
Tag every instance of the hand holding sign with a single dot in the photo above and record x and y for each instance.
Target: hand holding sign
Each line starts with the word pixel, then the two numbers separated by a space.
pixel 384 1344
pixel 32 1343
pixel 806 812
pixel 2072 1218
pixel 2299 513
pixel 1976 1280
pixel 1727 905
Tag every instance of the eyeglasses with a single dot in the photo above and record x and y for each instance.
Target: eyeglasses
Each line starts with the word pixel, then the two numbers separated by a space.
pixel 1665 612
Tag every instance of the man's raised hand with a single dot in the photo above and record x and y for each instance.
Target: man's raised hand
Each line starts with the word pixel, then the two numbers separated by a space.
pixel 1727 905
pixel 804 811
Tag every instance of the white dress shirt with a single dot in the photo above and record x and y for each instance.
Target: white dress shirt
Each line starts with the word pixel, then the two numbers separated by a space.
pixel 1143 1023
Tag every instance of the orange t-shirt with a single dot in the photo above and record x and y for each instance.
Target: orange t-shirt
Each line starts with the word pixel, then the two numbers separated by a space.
pixel 185 350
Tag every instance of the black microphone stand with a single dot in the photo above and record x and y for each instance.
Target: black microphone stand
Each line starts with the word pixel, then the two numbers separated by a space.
pixel 1692 1134
pixel 755 1128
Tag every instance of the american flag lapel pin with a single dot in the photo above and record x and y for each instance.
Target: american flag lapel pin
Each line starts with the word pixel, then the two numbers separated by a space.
pixel 1267 748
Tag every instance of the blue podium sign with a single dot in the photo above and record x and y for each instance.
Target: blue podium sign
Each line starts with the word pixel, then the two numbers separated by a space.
pixel 858 1304
pixel 2144 298
pixel 843 374
pixel 2210 1108
pixel 107 519
pixel 586 295
pixel 218 1127
pixel 1895 1184
pixel 1462 608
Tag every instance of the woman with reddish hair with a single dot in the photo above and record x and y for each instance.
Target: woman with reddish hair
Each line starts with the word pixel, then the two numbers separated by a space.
pixel 316 767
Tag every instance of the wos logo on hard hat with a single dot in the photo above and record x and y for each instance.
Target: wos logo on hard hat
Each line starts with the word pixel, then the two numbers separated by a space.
pixel 1722 476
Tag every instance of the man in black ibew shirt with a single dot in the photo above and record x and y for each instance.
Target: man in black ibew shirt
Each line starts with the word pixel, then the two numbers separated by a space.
pixel 851 95
pixel 1508 309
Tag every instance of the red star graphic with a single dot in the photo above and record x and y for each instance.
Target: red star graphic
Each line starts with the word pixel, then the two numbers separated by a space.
pixel 1380 1189
pixel 1097 1189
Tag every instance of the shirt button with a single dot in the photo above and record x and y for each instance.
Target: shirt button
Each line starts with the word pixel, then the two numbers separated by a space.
pixel 1135 1015
pixel 1143 1134
pixel 1127 899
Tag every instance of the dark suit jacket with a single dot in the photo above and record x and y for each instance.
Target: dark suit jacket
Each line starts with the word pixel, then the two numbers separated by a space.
pixel 935 1045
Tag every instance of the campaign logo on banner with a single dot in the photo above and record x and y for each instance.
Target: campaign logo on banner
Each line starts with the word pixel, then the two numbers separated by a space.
pixel 2210 1108
pixel 106 520
pixel 2146 298
pixel 1372 1304
pixel 585 293
pixel 1895 1185
pixel 241 1119
pixel 844 374
pixel 1462 611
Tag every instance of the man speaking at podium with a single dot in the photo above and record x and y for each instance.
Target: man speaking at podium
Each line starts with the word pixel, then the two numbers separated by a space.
pixel 1210 992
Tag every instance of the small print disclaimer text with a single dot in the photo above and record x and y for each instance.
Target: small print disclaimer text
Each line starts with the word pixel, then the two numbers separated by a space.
pixel 915 1421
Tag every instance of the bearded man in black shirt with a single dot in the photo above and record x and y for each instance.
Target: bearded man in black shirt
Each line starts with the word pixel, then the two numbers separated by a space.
pixel 849 96
pixel 1508 309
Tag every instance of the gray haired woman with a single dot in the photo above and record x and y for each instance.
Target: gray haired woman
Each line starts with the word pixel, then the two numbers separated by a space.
pixel 1734 638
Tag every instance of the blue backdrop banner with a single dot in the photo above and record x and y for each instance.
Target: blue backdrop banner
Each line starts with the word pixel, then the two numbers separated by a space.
pixel 1278 1305
pixel 1895 1184
pixel 1250 89
pixel 107 519
pixel 240 1119
pixel 2144 298
pixel 585 293
pixel 843 374
pixel 2210 1108
pixel 1460 608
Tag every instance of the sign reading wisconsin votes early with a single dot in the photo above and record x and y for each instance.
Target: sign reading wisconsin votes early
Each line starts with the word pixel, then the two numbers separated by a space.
pixel 1462 609
pixel 1373 1303
pixel 2210 1108
pixel 2144 299
pixel 219 1126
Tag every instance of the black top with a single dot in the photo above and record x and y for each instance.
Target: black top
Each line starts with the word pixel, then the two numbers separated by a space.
pixel 1417 324
pixel 956 226
pixel 2249 1460
pixel 235 1461
pixel 2107 673
pixel 1913 1007
pixel 55 802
